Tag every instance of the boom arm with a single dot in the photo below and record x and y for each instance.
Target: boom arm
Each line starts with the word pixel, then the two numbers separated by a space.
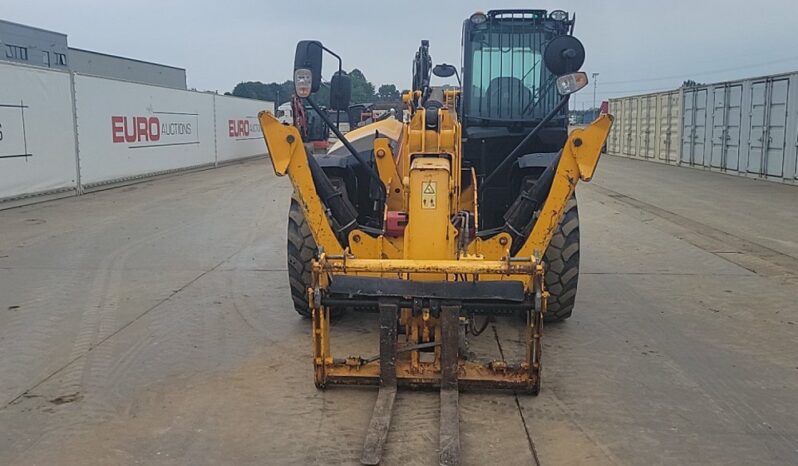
pixel 577 162
pixel 288 156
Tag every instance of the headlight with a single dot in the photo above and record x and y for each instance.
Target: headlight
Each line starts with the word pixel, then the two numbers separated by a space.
pixel 567 84
pixel 558 15
pixel 478 18
pixel 303 81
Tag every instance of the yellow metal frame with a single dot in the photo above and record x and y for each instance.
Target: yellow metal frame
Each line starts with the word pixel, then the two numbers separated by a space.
pixel 410 371
pixel 403 176
pixel 288 156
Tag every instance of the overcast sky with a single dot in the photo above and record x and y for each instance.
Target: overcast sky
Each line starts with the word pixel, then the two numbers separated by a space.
pixel 636 45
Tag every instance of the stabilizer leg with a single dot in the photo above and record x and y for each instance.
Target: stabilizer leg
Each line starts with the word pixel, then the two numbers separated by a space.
pixel 381 417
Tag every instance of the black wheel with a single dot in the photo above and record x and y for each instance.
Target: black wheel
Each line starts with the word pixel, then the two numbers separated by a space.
pixel 301 250
pixel 562 265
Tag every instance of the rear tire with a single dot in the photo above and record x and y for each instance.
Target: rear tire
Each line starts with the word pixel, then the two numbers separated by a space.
pixel 301 251
pixel 562 265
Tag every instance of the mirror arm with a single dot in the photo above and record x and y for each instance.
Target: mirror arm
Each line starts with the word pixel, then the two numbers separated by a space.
pixel 370 170
pixel 337 112
pixel 512 156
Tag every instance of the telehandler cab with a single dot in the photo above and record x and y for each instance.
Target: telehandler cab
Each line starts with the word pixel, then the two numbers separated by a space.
pixel 465 210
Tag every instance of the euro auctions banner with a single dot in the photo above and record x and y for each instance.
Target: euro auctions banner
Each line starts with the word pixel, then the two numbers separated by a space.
pixel 37 141
pixel 238 132
pixel 161 129
pixel 127 129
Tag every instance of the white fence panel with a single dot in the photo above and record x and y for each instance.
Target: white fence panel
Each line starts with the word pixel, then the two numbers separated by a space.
pixel 127 130
pixel 238 132
pixel 37 139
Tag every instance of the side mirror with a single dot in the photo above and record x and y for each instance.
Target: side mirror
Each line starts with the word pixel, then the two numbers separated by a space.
pixel 307 67
pixel 444 71
pixel 340 91
pixel 563 55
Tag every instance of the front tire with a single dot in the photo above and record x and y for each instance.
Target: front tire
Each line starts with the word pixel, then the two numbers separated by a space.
pixel 562 265
pixel 301 250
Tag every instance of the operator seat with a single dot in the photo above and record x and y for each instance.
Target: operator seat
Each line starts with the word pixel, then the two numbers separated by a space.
pixel 506 97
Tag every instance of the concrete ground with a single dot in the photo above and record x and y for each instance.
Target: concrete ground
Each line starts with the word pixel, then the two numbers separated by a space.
pixel 152 324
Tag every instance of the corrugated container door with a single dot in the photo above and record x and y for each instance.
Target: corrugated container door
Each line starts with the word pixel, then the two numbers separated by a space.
pixel 756 153
pixel 777 128
pixel 725 140
pixel 795 149
pixel 734 115
pixel 668 121
pixel 648 108
pixel 768 127
pixel 614 143
pixel 718 141
pixel 694 130
pixel 688 126
pixel 700 121
pixel 630 126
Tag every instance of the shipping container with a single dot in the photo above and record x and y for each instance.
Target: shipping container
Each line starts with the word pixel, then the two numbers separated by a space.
pixel 754 127
pixel 646 126
pixel 747 127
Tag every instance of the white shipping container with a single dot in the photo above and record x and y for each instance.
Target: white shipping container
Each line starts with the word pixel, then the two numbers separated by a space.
pixel 646 126
pixel 747 127
pixel 751 127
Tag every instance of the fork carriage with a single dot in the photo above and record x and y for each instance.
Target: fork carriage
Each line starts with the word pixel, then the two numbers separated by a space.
pixel 431 315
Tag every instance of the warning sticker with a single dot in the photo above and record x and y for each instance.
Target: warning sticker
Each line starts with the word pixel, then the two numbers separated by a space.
pixel 429 195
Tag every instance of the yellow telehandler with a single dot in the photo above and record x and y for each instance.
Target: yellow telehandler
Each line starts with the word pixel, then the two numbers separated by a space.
pixel 466 209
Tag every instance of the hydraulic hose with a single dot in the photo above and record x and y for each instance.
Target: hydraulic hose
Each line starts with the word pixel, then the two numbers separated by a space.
pixel 341 209
pixel 521 216
pixel 370 170
pixel 512 156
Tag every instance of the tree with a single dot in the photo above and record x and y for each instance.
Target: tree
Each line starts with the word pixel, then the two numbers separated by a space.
pixel 691 83
pixel 274 92
pixel 388 92
pixel 279 93
pixel 362 90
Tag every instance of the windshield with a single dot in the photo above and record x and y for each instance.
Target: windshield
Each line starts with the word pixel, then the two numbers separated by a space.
pixel 508 79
